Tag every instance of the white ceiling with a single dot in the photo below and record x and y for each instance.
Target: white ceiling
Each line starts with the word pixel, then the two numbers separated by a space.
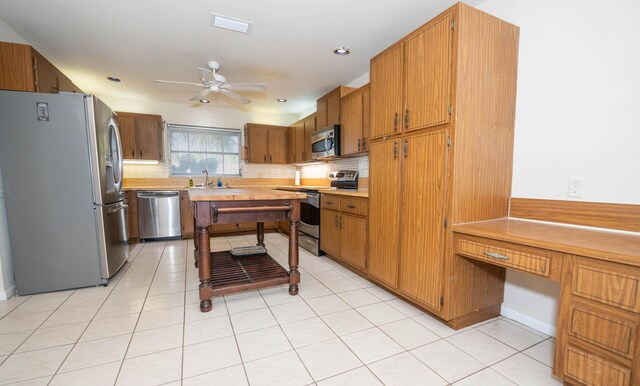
pixel 289 48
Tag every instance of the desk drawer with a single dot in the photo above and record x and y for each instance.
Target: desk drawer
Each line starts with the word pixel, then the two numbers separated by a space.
pixel 353 205
pixel 591 369
pixel 330 202
pixel 607 283
pixel 532 260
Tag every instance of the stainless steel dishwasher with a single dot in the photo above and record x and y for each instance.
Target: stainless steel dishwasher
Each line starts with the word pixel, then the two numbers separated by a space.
pixel 159 214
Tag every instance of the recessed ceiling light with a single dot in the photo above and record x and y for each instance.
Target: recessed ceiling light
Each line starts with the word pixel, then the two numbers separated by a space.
pixel 282 100
pixel 342 51
pixel 114 79
pixel 204 101
pixel 230 23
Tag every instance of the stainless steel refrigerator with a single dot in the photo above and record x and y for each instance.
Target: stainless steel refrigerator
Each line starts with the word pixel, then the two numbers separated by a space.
pixel 61 162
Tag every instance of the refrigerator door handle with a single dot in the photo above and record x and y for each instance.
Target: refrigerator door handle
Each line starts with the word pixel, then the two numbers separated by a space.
pixel 117 172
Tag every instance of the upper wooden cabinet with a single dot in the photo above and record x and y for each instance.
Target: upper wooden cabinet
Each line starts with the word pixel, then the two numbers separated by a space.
pixel 141 136
pixel 432 165
pixel 265 143
pixel 411 81
pixel 354 121
pixel 22 68
pixel 328 107
pixel 299 139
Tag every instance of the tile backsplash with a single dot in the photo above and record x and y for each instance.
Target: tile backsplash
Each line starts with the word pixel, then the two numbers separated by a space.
pixel 361 164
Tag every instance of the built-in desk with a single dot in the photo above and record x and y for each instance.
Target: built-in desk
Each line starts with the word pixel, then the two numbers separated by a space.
pixel 597 339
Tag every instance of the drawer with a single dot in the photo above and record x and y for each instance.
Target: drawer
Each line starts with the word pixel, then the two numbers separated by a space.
pixel 536 261
pixel 605 283
pixel 604 329
pixel 330 202
pixel 355 206
pixel 591 369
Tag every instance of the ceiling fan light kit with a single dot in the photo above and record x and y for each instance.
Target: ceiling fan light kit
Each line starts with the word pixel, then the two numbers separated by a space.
pixel 212 82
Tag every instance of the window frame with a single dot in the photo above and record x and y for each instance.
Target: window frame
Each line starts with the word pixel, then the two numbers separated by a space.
pixel 171 128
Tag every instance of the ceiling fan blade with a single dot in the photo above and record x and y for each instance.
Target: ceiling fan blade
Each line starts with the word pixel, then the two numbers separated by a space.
pixel 201 95
pixel 248 86
pixel 205 72
pixel 235 96
pixel 176 82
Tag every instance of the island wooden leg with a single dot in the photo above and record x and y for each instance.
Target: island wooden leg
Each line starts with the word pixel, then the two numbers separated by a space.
pixel 260 232
pixel 196 250
pixel 204 269
pixel 294 275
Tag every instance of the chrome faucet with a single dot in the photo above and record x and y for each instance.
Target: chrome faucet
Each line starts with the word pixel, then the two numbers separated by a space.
pixel 206 178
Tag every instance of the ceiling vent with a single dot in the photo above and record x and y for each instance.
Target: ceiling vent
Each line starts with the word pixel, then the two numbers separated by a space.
pixel 230 23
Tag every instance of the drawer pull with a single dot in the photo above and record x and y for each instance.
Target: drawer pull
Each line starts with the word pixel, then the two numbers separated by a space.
pixel 329 202
pixel 496 255
pixel 351 206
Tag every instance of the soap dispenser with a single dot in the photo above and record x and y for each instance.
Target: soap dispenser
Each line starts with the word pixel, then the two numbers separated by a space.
pixel 219 183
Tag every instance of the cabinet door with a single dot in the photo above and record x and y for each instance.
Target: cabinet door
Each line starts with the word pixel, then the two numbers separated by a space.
pixel 149 137
pixel 422 245
pixel 386 93
pixel 351 124
pixel 45 74
pixel 310 125
pixel 132 200
pixel 333 108
pixel 186 217
pixel 257 143
pixel 301 150
pixel 428 76
pixel 353 245
pixel 278 145
pixel 384 198
pixel 127 126
pixel 366 118
pixel 16 67
pixel 321 112
pixel 330 231
pixel 291 144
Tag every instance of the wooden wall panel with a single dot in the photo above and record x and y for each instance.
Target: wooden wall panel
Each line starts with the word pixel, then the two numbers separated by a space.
pixel 597 214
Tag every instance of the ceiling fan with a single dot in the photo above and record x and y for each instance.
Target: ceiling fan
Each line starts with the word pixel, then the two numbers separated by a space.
pixel 212 82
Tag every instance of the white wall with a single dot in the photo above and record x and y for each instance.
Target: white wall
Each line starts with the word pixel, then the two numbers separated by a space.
pixel 577 115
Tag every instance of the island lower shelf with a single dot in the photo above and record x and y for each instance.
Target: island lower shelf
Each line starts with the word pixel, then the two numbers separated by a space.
pixel 230 274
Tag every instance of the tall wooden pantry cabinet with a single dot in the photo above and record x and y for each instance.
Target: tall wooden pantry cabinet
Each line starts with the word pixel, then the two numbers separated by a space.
pixel 442 122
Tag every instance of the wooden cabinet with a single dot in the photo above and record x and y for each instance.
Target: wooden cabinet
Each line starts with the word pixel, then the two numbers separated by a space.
pixel 354 121
pixel 186 215
pixel 141 135
pixel 427 170
pixel 299 140
pixel 132 200
pixel 265 143
pixel 24 69
pixel 343 226
pixel 328 107
pixel 411 81
pixel 597 342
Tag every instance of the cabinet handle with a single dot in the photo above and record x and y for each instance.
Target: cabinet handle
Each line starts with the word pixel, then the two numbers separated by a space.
pixel 336 220
pixel 358 145
pixel 351 206
pixel 496 255
pixel 329 202
pixel 406 119
pixel 406 147
pixel 265 158
pixel 133 153
pixel 395 122
pixel 340 222
pixel 395 149
pixel 269 158
pixel 364 144
pixel 140 153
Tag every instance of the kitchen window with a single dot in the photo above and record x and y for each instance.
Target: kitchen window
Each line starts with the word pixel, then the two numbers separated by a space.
pixel 193 149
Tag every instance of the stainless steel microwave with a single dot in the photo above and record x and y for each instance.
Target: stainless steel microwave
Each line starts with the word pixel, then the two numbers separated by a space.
pixel 325 143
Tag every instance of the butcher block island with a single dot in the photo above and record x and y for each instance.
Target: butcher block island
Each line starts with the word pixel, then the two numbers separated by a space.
pixel 239 270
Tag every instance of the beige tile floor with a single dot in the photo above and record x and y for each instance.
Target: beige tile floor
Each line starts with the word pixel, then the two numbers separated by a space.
pixel 145 328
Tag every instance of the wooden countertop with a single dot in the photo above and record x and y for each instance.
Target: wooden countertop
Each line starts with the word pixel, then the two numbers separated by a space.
pixel 242 194
pixel 603 244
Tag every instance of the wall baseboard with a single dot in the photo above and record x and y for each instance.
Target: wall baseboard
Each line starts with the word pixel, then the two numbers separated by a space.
pixel 8 293
pixel 528 321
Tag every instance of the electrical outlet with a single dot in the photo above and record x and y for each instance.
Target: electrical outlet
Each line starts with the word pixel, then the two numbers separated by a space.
pixel 575 187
